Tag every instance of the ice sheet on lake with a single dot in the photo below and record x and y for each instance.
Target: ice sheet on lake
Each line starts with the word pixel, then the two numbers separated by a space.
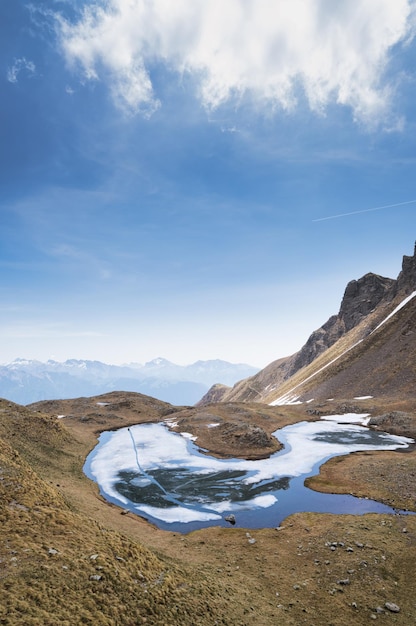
pixel 156 448
pixel 348 418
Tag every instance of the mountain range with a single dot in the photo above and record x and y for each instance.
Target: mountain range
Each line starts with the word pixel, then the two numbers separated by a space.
pixel 368 349
pixel 26 381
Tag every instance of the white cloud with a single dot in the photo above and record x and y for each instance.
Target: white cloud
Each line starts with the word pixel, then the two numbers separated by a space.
pixel 273 52
pixel 19 65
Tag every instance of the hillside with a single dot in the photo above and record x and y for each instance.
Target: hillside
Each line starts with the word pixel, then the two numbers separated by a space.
pixel 68 557
pixel 367 349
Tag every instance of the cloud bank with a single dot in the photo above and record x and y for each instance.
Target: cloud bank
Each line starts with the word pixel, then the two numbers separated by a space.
pixel 275 53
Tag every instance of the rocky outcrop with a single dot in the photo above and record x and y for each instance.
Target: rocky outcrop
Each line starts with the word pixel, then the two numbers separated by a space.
pixel 361 297
pixel 396 422
pixel 406 280
pixel 215 394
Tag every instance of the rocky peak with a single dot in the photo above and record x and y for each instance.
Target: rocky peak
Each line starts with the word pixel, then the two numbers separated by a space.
pixel 406 280
pixel 361 297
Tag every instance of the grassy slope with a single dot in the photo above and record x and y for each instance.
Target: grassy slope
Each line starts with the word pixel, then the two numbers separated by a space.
pixel 288 576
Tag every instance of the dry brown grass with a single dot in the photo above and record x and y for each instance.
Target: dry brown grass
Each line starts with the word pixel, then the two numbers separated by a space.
pixel 52 521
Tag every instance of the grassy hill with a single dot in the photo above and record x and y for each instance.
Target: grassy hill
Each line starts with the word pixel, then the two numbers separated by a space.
pixel 68 557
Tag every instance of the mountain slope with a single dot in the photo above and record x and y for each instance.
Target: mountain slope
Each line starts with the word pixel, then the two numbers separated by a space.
pixel 345 358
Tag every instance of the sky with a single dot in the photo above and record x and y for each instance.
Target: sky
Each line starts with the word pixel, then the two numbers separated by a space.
pixel 198 179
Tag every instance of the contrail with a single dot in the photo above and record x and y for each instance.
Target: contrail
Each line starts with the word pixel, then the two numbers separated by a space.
pixel 378 208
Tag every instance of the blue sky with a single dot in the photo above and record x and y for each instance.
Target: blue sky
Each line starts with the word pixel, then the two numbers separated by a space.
pixel 165 168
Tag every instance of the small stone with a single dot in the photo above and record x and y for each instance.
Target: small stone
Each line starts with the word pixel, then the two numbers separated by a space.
pixel 52 551
pixel 349 549
pixel 230 519
pixel 393 608
pixel 93 557
pixel 95 577
pixel 343 581
pixel 373 616
pixel 252 540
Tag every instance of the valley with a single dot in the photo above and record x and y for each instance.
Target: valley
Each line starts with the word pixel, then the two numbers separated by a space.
pixel 68 556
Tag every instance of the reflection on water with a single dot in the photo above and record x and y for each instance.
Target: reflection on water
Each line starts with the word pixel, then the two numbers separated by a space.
pixel 163 476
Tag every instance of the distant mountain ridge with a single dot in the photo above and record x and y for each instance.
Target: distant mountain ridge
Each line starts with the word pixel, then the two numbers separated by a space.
pixel 331 363
pixel 25 381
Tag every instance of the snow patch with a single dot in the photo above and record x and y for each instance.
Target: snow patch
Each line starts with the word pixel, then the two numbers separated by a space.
pixel 189 436
pixel 287 399
pixel 280 401
pixel 400 306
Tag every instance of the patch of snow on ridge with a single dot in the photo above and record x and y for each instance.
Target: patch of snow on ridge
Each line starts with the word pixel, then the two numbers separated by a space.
pixel 280 402
pixel 288 399
pixel 400 306
pixel 363 397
